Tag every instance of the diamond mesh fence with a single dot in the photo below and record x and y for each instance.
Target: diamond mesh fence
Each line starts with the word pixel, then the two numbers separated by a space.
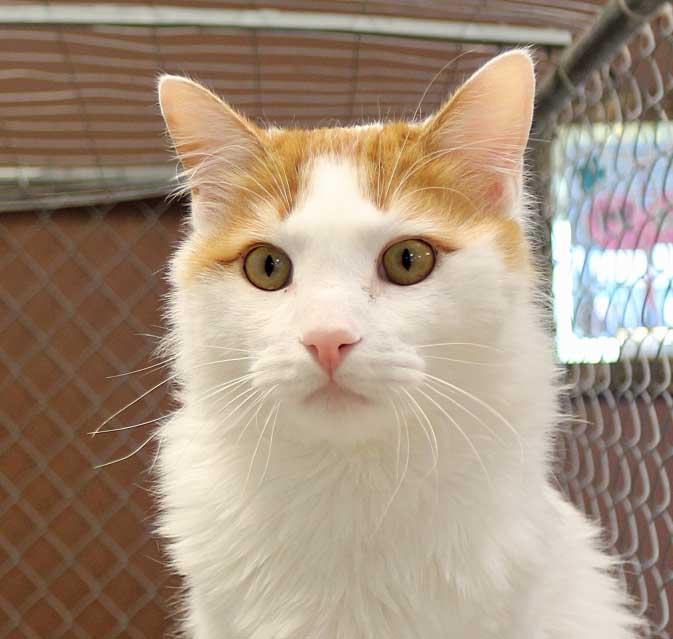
pixel 81 289
pixel 605 174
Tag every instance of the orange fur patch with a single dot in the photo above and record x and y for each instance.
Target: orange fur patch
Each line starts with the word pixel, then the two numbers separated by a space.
pixel 399 165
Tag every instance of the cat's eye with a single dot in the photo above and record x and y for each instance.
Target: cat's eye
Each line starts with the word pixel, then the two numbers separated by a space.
pixel 267 267
pixel 408 262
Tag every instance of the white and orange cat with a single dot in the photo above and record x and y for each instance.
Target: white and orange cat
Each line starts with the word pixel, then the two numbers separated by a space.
pixel 368 398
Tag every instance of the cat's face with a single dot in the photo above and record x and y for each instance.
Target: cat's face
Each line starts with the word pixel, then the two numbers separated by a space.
pixel 326 265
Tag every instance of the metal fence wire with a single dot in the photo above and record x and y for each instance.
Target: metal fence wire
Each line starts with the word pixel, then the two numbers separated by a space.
pixel 604 159
pixel 81 292
pixel 79 289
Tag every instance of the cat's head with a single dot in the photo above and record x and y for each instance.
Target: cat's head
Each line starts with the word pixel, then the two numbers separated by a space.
pixel 323 266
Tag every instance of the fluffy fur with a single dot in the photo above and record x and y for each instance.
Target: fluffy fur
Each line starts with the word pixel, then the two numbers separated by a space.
pixel 425 511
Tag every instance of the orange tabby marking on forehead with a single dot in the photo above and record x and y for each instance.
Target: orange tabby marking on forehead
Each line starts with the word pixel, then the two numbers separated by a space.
pixel 398 167
pixel 461 168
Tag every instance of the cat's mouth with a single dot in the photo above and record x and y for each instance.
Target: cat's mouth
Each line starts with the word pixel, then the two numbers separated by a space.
pixel 333 394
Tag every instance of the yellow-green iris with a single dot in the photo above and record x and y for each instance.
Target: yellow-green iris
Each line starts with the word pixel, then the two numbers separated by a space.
pixel 267 267
pixel 408 262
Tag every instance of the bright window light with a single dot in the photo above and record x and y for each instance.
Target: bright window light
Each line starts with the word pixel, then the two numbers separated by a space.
pixel 612 241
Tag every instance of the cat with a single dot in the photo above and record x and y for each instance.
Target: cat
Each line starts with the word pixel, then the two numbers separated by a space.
pixel 367 394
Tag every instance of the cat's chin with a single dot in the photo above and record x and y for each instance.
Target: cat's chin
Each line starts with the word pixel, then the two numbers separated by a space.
pixel 334 396
pixel 335 412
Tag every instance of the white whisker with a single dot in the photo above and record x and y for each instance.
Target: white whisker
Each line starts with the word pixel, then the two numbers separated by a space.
pixel 121 428
pixel 224 348
pixel 156 386
pixel 220 388
pixel 475 345
pixel 141 370
pixel 430 435
pixel 259 443
pixel 463 361
pixel 125 457
pixel 398 486
pixel 463 434
pixel 259 403
pixel 398 450
pixel 268 454
pixel 481 402
pixel 434 468
pixel 464 409
pixel 244 393
pixel 137 399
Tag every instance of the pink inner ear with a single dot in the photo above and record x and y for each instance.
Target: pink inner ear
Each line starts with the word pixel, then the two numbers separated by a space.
pixel 500 193
pixel 487 122
pixel 496 190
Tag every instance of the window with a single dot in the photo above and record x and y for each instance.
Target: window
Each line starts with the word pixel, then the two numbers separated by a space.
pixel 612 240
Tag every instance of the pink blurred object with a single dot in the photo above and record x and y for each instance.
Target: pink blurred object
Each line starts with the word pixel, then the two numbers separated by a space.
pixel 619 223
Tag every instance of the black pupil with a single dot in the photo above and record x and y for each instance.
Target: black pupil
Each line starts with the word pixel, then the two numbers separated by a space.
pixel 269 265
pixel 407 258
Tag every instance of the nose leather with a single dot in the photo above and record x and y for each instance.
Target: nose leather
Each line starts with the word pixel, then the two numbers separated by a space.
pixel 329 347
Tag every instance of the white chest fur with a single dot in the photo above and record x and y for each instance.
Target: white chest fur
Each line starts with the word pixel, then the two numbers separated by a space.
pixel 319 549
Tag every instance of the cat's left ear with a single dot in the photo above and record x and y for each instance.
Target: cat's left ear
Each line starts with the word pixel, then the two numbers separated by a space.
pixel 485 128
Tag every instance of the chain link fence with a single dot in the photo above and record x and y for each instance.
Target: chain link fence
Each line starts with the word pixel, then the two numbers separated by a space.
pixel 81 292
pixel 604 157
pixel 80 289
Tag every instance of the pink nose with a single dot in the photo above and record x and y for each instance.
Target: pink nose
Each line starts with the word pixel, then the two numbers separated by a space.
pixel 329 347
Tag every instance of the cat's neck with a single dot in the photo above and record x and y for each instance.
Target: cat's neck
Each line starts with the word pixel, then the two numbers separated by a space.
pixel 379 496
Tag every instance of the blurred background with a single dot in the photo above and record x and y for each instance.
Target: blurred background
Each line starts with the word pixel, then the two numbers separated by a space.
pixel 85 233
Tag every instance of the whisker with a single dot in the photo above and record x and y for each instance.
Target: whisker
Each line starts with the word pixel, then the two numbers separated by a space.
pixel 441 188
pixel 378 168
pixel 407 173
pixel 482 403
pixel 140 370
pixel 464 361
pixel 250 176
pixel 125 457
pixel 284 187
pixel 247 394
pixel 464 409
pixel 434 79
pixel 485 346
pixel 416 112
pixel 398 451
pixel 255 396
pixel 157 452
pixel 577 420
pixel 435 465
pixel 223 361
pixel 268 454
pixel 434 447
pixel 253 399
pixel 121 428
pixel 224 348
pixel 136 400
pixel 220 388
pixel 156 386
pixel 416 166
pixel 259 403
pixel 397 161
pixel 246 391
pixel 463 434
pixel 259 443
pixel 398 486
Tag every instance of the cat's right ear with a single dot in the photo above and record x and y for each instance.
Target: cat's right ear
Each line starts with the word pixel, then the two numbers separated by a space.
pixel 214 143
